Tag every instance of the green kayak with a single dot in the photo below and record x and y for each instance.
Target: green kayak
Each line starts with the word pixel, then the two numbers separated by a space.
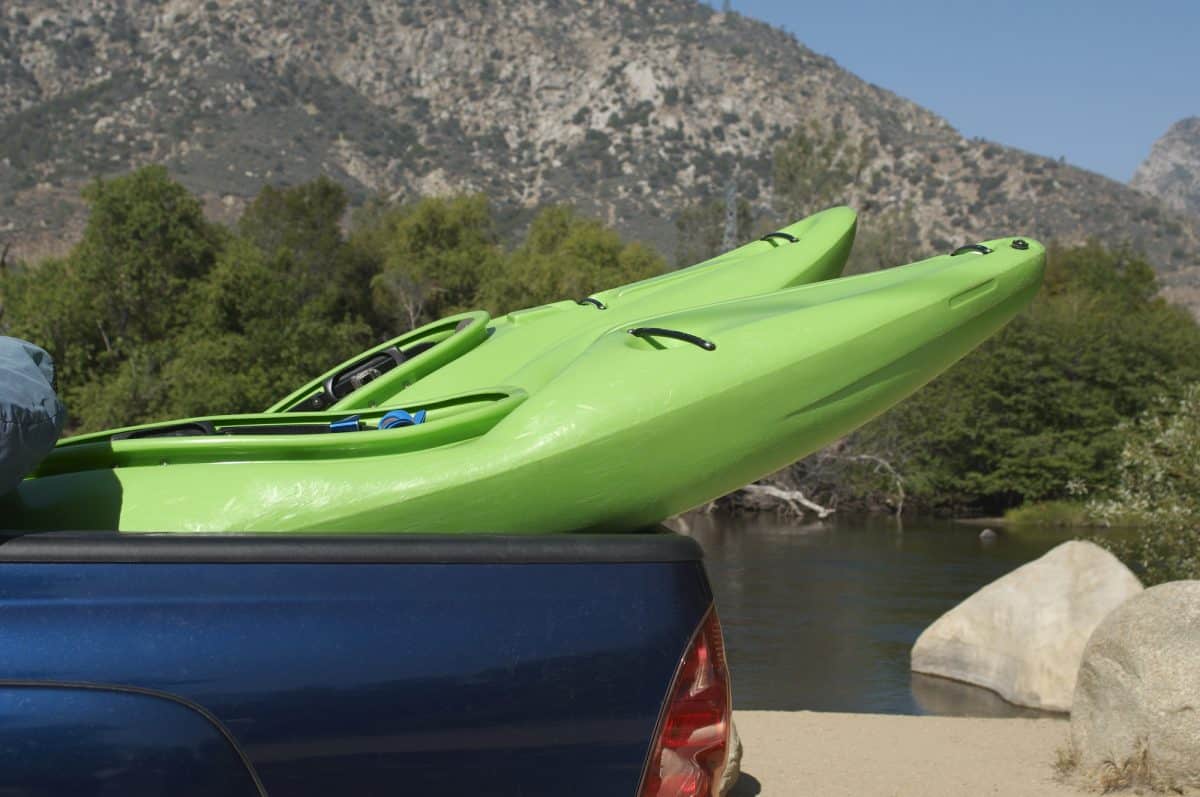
pixel 651 417
pixel 451 359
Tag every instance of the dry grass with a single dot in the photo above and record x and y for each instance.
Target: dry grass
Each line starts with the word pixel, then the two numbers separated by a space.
pixel 1065 761
pixel 1131 773
pixel 1136 773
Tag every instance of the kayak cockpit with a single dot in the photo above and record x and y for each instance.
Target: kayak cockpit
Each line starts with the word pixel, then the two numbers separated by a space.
pixel 287 436
pixel 375 376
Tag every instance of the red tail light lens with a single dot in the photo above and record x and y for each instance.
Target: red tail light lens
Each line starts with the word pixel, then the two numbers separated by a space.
pixel 692 738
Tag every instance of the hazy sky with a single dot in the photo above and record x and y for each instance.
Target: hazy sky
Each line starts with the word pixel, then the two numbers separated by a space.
pixel 1097 82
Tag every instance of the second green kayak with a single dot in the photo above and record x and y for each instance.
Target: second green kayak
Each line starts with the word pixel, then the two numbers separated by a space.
pixel 446 356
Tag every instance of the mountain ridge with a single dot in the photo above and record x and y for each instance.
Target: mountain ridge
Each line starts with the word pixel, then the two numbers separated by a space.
pixel 631 111
pixel 1171 171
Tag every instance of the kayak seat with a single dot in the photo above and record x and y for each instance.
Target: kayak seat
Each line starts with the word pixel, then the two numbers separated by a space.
pixel 402 361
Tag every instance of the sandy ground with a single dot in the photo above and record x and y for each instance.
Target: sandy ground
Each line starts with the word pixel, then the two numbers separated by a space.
pixel 791 753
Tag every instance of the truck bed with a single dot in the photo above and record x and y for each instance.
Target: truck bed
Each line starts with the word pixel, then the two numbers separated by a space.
pixel 298 665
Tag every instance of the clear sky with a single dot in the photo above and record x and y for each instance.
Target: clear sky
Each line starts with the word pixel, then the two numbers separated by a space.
pixel 1097 82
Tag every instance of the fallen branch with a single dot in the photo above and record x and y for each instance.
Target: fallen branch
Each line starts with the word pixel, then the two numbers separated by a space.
pixel 793 499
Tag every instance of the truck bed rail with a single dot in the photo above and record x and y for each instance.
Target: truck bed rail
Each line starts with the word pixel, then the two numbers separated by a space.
pixel 123 547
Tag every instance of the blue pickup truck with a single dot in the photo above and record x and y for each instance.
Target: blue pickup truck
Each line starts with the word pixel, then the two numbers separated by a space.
pixel 296 666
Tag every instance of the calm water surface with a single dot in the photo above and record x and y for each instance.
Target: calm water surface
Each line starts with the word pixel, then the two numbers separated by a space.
pixel 823 617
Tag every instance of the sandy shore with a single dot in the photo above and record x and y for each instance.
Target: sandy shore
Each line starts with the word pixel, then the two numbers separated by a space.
pixel 791 753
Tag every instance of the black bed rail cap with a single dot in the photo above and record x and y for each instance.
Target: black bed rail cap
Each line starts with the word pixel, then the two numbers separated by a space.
pixel 657 544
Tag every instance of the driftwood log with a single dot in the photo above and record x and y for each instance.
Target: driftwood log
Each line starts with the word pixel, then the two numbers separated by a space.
pixel 769 496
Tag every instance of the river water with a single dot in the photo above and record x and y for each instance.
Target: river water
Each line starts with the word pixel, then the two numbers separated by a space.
pixel 823 617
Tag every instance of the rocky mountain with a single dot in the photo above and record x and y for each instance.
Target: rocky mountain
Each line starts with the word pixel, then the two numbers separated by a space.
pixel 1172 170
pixel 630 109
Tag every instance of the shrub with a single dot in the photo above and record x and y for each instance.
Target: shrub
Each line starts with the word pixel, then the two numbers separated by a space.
pixel 1158 490
pixel 1038 408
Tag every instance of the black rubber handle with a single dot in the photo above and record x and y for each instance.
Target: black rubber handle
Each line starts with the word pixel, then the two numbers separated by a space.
pixel 787 236
pixel 962 250
pixel 686 337
pixel 592 301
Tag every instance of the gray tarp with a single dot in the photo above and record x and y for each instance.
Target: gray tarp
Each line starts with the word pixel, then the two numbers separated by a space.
pixel 31 416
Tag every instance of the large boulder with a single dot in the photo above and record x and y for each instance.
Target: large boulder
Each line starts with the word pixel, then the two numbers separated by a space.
pixel 1137 702
pixel 1023 635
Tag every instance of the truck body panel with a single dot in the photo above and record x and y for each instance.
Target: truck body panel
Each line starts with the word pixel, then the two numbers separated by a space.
pixel 482 665
pixel 62 740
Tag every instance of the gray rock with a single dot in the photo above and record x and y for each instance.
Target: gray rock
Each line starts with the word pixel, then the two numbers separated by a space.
pixel 733 762
pixel 1022 636
pixel 1172 171
pixel 1137 701
pixel 987 535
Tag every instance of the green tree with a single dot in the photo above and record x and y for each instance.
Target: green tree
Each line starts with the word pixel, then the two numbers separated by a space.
pixel 255 314
pixel 105 311
pixel 303 219
pixel 566 256
pixel 47 304
pixel 255 336
pixel 434 255
pixel 158 314
pixel 130 391
pixel 303 224
pixel 146 238
pixel 1158 490
pixel 700 230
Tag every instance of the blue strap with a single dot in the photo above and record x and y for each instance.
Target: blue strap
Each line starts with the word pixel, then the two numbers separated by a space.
pixel 345 425
pixel 399 418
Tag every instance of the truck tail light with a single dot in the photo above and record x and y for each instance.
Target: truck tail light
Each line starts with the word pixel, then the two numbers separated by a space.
pixel 692 738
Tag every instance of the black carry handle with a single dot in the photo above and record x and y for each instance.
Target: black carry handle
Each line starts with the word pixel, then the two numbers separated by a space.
pixel 787 236
pixel 599 305
pixel 686 337
pixel 962 250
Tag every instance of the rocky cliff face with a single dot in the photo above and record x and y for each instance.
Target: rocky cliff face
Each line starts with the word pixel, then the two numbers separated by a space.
pixel 1172 170
pixel 630 110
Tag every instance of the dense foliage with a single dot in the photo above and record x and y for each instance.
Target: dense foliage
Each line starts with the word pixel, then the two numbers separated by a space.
pixel 567 256
pixel 158 313
pixel 1036 412
pixel 1158 490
